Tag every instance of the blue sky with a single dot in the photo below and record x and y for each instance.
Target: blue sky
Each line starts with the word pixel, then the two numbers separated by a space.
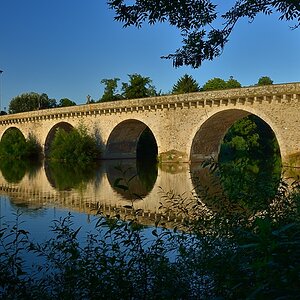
pixel 65 47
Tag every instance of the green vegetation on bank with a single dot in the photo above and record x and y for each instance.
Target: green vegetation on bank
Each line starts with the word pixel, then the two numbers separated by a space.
pixel 35 101
pixel 13 145
pixel 75 146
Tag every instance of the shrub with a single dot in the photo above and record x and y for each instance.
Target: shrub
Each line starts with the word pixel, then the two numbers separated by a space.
pixel 75 146
pixel 13 145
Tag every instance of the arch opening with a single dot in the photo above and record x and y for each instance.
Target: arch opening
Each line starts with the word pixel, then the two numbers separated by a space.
pixel 248 168
pixel 50 137
pixel 131 139
pixel 207 141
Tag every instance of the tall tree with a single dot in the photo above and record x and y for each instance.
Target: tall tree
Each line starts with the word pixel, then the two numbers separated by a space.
pixel 185 84
pixel 30 101
pixel 138 87
pixel 198 22
pixel 264 80
pixel 110 90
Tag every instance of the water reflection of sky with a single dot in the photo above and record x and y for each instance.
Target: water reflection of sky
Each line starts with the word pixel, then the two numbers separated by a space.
pixel 38 222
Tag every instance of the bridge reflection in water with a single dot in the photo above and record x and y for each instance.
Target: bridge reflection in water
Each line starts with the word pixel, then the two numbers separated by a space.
pixel 41 189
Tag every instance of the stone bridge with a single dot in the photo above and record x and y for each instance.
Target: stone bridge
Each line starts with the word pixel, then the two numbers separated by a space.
pixel 187 127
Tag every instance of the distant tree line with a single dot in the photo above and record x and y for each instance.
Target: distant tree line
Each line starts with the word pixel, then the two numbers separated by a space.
pixel 141 87
pixel 138 86
pixel 35 101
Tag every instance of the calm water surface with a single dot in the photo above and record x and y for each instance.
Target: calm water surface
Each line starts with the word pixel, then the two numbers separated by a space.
pixel 46 192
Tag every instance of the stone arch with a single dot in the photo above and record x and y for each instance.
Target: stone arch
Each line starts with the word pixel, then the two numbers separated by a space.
pixel 50 136
pixel 207 140
pixel 123 141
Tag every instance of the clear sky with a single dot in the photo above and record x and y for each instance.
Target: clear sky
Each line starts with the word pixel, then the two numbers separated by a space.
pixel 65 47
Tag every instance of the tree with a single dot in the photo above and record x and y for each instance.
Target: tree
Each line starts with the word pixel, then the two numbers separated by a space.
pixel 14 146
pixel 214 84
pixel 185 84
pixel 198 22
pixel 30 101
pixel 66 102
pixel 110 90
pixel 138 87
pixel 264 80
pixel 232 83
pixel 220 84
pixel 76 146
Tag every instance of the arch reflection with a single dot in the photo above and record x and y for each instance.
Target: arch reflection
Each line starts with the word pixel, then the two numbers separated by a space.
pixel 138 177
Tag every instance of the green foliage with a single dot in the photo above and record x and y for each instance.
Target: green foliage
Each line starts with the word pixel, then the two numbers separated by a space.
pixel 250 163
pixel 30 101
pixel 76 146
pixel 214 84
pixel 232 83
pixel 264 80
pixel 66 102
pixel 205 29
pixel 13 145
pixel 185 84
pixel 138 87
pixel 220 84
pixel 110 90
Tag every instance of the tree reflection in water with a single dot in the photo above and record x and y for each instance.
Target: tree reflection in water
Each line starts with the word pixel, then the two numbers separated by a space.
pixel 64 177
pixel 13 170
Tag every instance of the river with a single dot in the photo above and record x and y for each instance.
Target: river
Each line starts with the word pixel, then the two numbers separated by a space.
pixel 129 188
pixel 46 192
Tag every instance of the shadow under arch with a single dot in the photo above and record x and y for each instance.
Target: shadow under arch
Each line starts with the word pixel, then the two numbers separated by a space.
pixel 245 156
pixel 51 134
pixel 131 139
